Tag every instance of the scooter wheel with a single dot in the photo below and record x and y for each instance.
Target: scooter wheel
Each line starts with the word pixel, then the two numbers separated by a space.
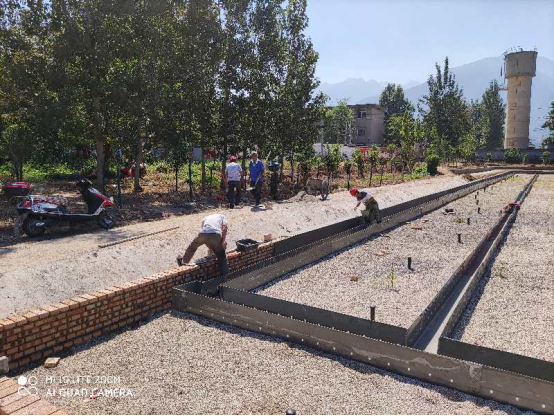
pixel 105 220
pixel 31 228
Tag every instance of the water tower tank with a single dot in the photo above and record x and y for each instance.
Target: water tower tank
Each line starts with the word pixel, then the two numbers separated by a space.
pixel 520 68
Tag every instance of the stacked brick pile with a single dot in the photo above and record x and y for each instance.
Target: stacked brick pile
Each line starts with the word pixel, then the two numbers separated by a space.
pixel 39 333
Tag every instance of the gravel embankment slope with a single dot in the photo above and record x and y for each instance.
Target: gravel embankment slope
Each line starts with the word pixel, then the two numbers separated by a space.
pixel 182 364
pixel 33 274
pixel 512 309
pixel 435 253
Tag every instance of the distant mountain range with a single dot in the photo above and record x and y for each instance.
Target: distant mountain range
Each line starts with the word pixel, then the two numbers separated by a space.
pixel 473 78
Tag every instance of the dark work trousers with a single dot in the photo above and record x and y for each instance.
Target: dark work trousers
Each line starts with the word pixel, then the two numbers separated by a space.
pixel 213 241
pixel 257 191
pixel 233 194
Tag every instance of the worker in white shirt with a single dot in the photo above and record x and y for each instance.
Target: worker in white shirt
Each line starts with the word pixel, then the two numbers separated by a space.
pixel 371 211
pixel 233 176
pixel 212 234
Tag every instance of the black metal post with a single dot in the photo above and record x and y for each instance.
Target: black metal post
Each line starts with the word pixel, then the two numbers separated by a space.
pixel 478 210
pixel 459 238
pixel 468 221
pixel 477 202
pixel 372 313
pixel 291 412
pixel 409 263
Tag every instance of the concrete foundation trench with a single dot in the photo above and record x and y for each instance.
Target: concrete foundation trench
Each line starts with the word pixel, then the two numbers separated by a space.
pixel 394 306
pixel 404 295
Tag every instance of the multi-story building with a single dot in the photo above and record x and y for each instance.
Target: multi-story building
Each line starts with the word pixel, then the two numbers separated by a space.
pixel 368 124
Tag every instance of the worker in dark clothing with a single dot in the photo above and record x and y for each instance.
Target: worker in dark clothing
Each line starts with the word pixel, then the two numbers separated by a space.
pixel 213 234
pixel 371 211
pixel 257 171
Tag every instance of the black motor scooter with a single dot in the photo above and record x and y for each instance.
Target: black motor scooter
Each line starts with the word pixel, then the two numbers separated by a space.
pixel 38 212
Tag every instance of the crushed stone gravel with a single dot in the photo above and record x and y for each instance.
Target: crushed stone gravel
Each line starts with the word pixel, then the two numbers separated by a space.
pixel 512 307
pixel 381 263
pixel 182 364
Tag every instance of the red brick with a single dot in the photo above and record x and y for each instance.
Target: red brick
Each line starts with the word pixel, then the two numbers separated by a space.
pixel 62 307
pixel 10 399
pixel 80 301
pixel 90 297
pixel 10 389
pixel 18 319
pixel 20 404
pixel 39 407
pixel 6 324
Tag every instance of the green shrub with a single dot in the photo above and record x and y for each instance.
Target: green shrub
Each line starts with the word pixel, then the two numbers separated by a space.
pixel 489 157
pixel 432 161
pixel 525 159
pixel 421 170
pixel 546 157
pixel 512 156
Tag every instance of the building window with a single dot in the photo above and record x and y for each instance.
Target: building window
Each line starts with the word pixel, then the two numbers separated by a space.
pixel 361 133
pixel 361 114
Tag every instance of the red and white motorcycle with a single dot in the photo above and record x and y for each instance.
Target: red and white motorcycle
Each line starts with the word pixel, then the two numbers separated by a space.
pixel 37 212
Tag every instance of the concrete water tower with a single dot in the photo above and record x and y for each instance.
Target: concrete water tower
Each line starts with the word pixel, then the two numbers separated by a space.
pixel 519 68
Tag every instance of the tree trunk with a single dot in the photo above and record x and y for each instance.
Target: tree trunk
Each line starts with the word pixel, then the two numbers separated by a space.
pixel 138 162
pixel 203 160
pixel 176 177
pixel 190 178
pixel 292 167
pixel 243 163
pixel 100 142
pixel 222 184
pixel 282 160
pixel 382 171
pixel 370 173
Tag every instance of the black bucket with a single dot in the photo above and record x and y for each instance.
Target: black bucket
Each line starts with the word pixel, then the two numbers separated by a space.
pixel 247 244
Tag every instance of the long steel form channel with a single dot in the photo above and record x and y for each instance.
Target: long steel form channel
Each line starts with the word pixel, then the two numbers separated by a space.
pixel 370 342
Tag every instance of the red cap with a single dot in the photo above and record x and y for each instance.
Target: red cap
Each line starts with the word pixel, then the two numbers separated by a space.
pixel 353 191
pixel 233 159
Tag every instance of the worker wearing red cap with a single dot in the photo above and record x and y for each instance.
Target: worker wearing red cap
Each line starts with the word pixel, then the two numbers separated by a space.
pixel 371 211
pixel 233 176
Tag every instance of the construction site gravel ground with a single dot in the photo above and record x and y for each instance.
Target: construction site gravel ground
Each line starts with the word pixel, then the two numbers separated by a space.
pixel 380 264
pixel 182 364
pixel 45 271
pixel 512 308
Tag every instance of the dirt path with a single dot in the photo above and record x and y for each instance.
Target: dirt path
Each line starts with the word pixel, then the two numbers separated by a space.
pixel 40 272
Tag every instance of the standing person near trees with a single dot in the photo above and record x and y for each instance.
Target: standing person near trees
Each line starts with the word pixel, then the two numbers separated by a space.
pixel 233 176
pixel 257 171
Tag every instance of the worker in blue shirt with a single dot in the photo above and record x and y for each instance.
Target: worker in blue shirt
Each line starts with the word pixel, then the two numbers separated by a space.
pixel 257 170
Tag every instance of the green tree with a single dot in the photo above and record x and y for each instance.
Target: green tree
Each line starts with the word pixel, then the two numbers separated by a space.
pixel 549 124
pixel 493 117
pixel 444 110
pixel 358 159
pixel 394 102
pixel 467 147
pixel 339 122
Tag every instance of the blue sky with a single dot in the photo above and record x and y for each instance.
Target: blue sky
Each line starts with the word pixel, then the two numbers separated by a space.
pixel 400 40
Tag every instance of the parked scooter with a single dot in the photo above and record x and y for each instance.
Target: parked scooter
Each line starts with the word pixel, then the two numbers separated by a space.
pixel 38 212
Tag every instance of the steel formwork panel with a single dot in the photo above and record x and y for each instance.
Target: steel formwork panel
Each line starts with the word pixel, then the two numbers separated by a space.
pixel 468 377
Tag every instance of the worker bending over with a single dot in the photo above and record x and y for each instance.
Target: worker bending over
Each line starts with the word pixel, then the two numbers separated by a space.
pixel 371 211
pixel 213 234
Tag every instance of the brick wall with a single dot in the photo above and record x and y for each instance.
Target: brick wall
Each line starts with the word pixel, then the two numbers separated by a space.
pixel 31 336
